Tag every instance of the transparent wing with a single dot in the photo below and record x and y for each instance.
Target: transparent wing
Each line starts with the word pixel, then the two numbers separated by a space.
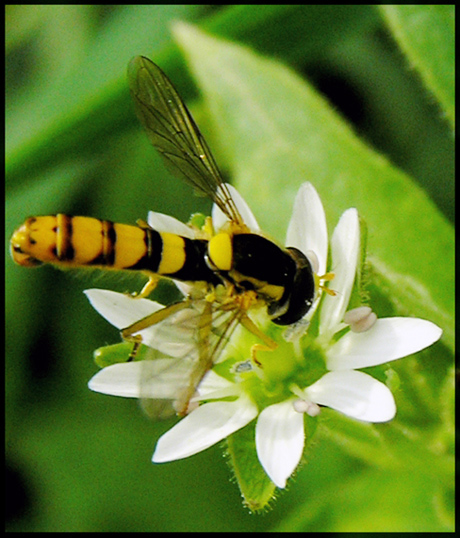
pixel 161 383
pixel 194 337
pixel 173 132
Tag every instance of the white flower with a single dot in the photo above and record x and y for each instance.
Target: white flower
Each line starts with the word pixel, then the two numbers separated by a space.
pixel 280 425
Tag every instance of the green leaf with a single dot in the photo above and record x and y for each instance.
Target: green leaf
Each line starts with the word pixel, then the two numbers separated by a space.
pixel 426 34
pixel 56 427
pixel 363 440
pixel 372 501
pixel 69 109
pixel 276 131
pixel 77 93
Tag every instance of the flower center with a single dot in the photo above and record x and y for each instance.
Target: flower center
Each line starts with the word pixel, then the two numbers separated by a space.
pixel 269 378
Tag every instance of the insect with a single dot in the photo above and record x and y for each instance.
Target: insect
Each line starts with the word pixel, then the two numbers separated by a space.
pixel 230 271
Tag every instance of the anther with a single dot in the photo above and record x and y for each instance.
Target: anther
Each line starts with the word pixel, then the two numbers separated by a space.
pixel 304 406
pixel 360 319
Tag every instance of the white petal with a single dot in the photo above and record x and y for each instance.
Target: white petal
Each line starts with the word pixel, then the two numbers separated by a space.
pixel 204 427
pixel 118 380
pixel 165 223
pixel 355 394
pixel 280 440
pixel 183 287
pixel 159 379
pixel 214 386
pixel 307 228
pixel 219 219
pixel 389 339
pixel 173 336
pixel 119 309
pixel 345 244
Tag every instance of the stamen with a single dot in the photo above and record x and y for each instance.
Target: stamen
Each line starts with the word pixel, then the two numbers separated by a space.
pixel 327 278
pixel 302 405
pixel 305 406
pixel 360 319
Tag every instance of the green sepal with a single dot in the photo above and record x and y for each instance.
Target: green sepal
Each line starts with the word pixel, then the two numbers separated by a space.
pixel 256 488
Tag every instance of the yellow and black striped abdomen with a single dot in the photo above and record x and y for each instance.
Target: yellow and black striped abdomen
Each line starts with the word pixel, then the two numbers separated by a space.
pixel 83 241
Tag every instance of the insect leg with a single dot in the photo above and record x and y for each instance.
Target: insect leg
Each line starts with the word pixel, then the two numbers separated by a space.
pixel 204 364
pixel 149 286
pixel 128 333
pixel 268 343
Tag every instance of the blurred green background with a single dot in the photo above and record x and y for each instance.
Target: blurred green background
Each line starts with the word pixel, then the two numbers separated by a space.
pixel 79 461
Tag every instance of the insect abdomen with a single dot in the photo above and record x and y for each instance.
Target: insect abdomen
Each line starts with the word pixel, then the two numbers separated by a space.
pixel 84 241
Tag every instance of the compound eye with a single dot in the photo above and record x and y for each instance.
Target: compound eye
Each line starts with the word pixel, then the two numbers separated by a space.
pixel 301 294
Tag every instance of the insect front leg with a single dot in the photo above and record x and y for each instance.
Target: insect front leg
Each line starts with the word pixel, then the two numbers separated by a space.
pixel 268 343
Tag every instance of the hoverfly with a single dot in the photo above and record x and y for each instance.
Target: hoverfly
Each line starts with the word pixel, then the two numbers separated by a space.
pixel 229 271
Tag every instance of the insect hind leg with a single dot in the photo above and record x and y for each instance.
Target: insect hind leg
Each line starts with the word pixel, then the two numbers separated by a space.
pixel 129 333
